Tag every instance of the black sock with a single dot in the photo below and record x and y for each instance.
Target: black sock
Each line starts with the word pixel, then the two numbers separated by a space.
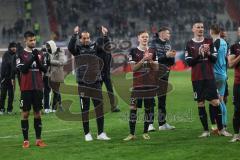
pixel 25 126
pixel 151 115
pixel 86 127
pixel 218 116
pixel 146 120
pixel 211 114
pixel 85 118
pixel 203 117
pixel 161 116
pixel 132 121
pixel 236 122
pixel 38 127
pixel 100 122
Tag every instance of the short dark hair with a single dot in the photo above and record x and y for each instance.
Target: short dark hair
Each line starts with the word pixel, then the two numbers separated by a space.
pixel 85 31
pixel 80 35
pixel 198 21
pixel 12 44
pixel 215 28
pixel 29 34
pixel 141 32
pixel 162 29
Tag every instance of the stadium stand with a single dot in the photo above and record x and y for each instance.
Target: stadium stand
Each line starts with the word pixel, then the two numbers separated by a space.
pixel 123 18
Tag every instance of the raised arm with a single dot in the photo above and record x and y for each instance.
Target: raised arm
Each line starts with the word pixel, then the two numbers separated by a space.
pixel 72 44
pixel 103 41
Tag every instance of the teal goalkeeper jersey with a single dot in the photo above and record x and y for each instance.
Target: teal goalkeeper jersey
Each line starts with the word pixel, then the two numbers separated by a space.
pixel 220 69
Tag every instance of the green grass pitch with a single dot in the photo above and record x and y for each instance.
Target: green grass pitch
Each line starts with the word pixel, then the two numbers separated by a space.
pixel 66 141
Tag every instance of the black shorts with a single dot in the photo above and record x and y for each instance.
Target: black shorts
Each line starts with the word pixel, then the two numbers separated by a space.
pixel 144 92
pixel 148 100
pixel 205 90
pixel 93 90
pixel 31 98
pixel 236 96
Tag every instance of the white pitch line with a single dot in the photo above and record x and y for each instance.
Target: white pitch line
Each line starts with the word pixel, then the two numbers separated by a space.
pixel 7 137
pixel 15 136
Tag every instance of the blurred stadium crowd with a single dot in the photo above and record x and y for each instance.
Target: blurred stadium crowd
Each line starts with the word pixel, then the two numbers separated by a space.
pixel 123 18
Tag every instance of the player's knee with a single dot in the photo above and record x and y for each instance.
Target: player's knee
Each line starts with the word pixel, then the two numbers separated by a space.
pixel 215 102
pixel 201 104
pixel 25 115
pixel 133 107
pixel 221 98
pixel 37 115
